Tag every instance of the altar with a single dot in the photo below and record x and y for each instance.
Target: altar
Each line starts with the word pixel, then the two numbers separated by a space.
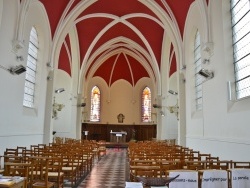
pixel 98 131
pixel 118 137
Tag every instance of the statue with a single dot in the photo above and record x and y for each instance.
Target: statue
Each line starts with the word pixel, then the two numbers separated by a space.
pixel 132 135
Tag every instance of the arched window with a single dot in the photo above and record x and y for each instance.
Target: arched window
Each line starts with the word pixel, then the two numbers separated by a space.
pixel 240 10
pixel 95 104
pixel 30 78
pixel 197 65
pixel 146 105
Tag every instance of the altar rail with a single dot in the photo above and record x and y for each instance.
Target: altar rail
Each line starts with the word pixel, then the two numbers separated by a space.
pixel 102 131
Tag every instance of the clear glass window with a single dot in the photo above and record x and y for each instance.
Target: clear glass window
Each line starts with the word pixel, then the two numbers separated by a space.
pixel 198 78
pixel 30 78
pixel 240 11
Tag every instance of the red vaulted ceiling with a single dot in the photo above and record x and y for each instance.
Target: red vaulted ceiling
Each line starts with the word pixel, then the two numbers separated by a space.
pixel 119 62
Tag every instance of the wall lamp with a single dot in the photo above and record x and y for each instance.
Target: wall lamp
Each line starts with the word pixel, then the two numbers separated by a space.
pixel 174 109
pixel 183 67
pixel 48 64
pixel 49 78
pixel 81 105
pixel 56 108
pixel 19 58
pixel 173 92
pixel 60 90
pixel 206 61
pixel 156 106
pixel 162 113
pixel 206 73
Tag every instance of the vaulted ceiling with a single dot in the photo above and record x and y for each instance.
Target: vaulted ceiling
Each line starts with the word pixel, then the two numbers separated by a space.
pixel 116 39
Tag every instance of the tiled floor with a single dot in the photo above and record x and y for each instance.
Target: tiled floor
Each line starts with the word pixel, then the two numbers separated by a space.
pixel 109 172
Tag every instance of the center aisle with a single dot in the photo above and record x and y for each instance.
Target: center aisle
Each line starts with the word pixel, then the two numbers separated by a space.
pixel 109 172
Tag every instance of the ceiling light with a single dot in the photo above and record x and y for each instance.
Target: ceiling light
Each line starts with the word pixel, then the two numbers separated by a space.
pixel 173 92
pixel 60 90
pixel 206 73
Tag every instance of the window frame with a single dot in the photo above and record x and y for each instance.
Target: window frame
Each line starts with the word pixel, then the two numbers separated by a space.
pixel 149 106
pixel 92 106
pixel 240 41
pixel 197 67
pixel 31 70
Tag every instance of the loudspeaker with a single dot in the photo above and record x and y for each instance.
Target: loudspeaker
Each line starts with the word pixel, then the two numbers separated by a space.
pixel 206 73
pixel 17 70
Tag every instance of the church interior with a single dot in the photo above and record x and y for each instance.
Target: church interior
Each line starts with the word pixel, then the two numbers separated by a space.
pixel 112 75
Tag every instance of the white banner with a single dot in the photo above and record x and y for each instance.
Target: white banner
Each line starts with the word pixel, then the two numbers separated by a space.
pixel 214 179
pixel 240 178
pixel 186 179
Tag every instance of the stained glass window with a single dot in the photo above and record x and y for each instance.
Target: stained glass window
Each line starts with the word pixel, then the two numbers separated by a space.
pixel 240 11
pixel 146 105
pixel 30 78
pixel 198 78
pixel 95 104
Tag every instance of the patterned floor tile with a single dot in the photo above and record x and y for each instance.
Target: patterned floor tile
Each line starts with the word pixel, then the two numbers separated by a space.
pixel 109 172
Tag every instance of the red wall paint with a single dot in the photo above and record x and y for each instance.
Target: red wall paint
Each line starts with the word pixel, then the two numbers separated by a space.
pixel 87 31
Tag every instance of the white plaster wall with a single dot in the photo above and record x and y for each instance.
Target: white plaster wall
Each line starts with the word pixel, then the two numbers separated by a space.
pixel 62 124
pixel 1 11
pixel 21 126
pixel 169 121
pixel 222 127
pixel 167 126
pixel 68 123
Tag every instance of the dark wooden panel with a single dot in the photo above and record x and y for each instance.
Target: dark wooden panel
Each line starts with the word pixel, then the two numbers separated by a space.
pixel 102 131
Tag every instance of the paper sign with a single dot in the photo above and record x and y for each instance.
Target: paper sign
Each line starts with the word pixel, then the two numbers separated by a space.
pixel 186 179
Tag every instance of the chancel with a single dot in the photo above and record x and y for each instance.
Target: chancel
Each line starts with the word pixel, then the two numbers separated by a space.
pixel 155 88
pixel 118 136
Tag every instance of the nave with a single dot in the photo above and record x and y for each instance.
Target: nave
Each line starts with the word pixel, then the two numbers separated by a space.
pixel 112 167
pixel 111 171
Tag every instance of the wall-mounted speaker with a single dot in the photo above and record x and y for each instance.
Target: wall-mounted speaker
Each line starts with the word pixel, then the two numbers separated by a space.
pixel 17 70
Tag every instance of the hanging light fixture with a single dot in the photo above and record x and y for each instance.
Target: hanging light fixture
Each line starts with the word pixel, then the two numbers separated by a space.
pixel 60 90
